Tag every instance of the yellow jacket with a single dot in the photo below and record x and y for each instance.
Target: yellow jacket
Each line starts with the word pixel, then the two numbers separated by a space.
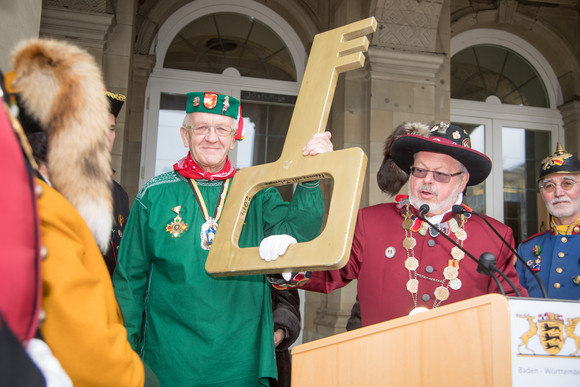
pixel 83 325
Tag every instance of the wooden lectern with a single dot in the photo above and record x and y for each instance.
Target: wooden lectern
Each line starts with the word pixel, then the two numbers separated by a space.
pixel 462 344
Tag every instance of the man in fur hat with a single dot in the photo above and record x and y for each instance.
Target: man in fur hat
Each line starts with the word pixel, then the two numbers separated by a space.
pixel 61 88
pixel 403 265
pixel 554 254
pixel 191 328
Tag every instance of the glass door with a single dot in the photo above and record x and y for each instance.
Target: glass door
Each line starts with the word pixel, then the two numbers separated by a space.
pixel 475 196
pixel 523 150
pixel 516 139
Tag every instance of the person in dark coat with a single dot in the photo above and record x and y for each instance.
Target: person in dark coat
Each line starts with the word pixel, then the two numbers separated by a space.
pixel 354 321
pixel 120 197
pixel 286 311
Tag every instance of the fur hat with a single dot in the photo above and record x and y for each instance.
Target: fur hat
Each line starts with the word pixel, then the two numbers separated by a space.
pixel 61 86
pixel 390 177
pixel 444 138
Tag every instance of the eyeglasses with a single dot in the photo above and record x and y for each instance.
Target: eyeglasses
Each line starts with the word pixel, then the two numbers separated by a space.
pixel 203 129
pixel 566 185
pixel 438 176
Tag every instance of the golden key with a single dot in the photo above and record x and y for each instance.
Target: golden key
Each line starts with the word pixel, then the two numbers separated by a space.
pixel 333 52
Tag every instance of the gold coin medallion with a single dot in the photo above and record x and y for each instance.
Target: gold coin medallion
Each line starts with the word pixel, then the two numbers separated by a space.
pixel 407 224
pixel 412 285
pixel 411 263
pixel 409 243
pixel 457 253
pixel 450 272
pixel 441 293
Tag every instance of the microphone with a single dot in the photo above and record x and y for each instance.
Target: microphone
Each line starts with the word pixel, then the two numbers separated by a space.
pixel 423 209
pixel 485 266
pixel 459 209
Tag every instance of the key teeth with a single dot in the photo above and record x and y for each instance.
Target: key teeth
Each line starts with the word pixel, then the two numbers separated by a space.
pixel 353 46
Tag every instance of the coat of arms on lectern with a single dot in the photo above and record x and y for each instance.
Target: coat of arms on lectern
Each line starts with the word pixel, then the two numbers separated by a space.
pixel 553 330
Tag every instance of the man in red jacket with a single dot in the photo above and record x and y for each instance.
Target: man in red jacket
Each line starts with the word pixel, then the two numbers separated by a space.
pixel 405 266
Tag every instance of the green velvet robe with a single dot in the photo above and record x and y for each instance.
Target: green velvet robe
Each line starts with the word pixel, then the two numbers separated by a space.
pixel 193 329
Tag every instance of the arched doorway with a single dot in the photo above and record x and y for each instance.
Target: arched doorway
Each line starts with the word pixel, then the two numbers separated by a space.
pixel 504 92
pixel 240 48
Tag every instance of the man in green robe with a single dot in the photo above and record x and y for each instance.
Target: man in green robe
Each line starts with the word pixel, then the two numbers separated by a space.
pixel 191 328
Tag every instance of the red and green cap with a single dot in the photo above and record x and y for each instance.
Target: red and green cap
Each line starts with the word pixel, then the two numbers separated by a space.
pixel 215 103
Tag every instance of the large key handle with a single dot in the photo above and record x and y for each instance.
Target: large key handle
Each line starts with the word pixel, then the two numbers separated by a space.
pixel 333 52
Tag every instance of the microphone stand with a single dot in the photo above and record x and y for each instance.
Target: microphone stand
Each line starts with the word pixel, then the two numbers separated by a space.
pixel 486 267
pixel 488 260
pixel 459 209
pixel 481 268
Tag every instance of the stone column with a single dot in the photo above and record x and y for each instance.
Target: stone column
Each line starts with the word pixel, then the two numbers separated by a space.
pixel 141 67
pixel 116 70
pixel 571 116
pixel 83 28
pixel 403 87
pixel 19 20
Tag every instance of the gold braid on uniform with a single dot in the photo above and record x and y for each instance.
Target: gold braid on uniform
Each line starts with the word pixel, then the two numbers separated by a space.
pixel 118 97
pixel 21 136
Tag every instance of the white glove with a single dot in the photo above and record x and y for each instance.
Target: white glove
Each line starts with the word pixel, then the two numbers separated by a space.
pixel 49 365
pixel 274 246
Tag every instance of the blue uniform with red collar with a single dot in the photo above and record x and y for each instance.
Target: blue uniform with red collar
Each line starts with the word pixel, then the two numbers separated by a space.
pixel 556 259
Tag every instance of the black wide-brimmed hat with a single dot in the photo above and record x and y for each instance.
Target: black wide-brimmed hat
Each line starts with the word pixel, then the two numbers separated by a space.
pixel 560 162
pixel 447 139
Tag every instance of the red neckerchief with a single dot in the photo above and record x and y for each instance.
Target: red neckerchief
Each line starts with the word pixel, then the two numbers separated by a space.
pixel 189 169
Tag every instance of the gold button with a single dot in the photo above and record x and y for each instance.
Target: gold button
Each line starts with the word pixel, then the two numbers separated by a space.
pixel 561 254
pixel 557 285
pixel 564 239
pixel 576 229
pixel 559 270
pixel 43 252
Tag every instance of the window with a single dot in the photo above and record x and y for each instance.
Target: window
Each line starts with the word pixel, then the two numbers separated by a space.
pixel 504 94
pixel 235 47
pixel 219 41
pixel 481 71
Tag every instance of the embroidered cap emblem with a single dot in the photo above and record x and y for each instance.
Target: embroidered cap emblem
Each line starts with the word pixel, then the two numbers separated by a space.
pixel 210 100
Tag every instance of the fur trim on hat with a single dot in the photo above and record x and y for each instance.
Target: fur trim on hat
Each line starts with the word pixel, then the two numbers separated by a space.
pixel 390 177
pixel 62 87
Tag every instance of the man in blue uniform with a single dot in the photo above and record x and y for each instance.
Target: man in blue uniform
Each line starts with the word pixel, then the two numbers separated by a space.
pixel 555 253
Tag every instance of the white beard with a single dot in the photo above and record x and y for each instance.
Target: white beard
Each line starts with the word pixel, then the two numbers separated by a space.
pixel 436 207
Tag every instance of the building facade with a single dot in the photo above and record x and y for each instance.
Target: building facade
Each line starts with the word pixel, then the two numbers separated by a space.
pixel 507 71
